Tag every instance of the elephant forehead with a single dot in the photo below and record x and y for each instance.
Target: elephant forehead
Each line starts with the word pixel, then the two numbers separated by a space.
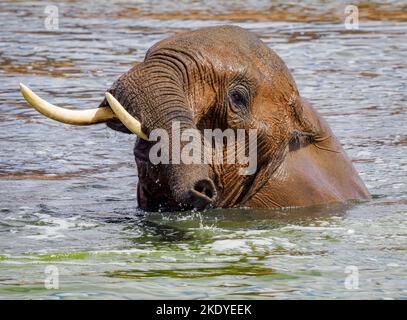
pixel 224 50
pixel 221 45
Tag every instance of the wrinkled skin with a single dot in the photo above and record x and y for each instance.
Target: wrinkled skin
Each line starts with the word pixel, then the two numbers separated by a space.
pixel 193 78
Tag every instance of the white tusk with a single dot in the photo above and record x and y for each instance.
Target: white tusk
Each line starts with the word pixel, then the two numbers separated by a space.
pixel 76 117
pixel 126 118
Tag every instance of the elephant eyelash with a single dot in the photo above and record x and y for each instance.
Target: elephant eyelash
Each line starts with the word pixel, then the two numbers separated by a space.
pixel 299 139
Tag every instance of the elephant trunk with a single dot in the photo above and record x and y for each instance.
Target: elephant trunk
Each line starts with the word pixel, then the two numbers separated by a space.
pixel 157 99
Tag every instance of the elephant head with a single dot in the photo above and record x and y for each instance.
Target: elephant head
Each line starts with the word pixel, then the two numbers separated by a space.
pixel 221 78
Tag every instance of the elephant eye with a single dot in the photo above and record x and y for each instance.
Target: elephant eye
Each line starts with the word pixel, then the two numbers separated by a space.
pixel 239 97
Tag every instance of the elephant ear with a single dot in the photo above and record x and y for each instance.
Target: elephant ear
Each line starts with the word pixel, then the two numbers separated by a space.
pixel 311 127
pixel 307 119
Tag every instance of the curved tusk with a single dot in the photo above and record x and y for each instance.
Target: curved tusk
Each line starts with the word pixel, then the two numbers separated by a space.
pixel 126 118
pixel 76 117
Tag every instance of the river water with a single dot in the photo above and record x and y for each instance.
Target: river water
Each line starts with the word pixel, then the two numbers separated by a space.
pixel 69 223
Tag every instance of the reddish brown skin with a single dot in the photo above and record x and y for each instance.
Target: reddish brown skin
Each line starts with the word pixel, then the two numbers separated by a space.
pixel 189 77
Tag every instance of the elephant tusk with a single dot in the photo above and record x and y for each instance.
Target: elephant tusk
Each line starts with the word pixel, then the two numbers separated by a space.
pixel 75 117
pixel 126 118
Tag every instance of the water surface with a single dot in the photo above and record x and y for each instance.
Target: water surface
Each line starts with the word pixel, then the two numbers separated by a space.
pixel 67 194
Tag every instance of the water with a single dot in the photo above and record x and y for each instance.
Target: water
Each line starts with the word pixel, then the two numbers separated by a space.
pixel 67 194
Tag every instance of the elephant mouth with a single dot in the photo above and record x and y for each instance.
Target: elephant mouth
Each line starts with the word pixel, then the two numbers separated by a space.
pixel 142 150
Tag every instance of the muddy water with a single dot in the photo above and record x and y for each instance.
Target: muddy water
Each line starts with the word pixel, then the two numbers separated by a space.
pixel 67 194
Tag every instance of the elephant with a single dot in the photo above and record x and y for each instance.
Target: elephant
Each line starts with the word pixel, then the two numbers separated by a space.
pixel 221 77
